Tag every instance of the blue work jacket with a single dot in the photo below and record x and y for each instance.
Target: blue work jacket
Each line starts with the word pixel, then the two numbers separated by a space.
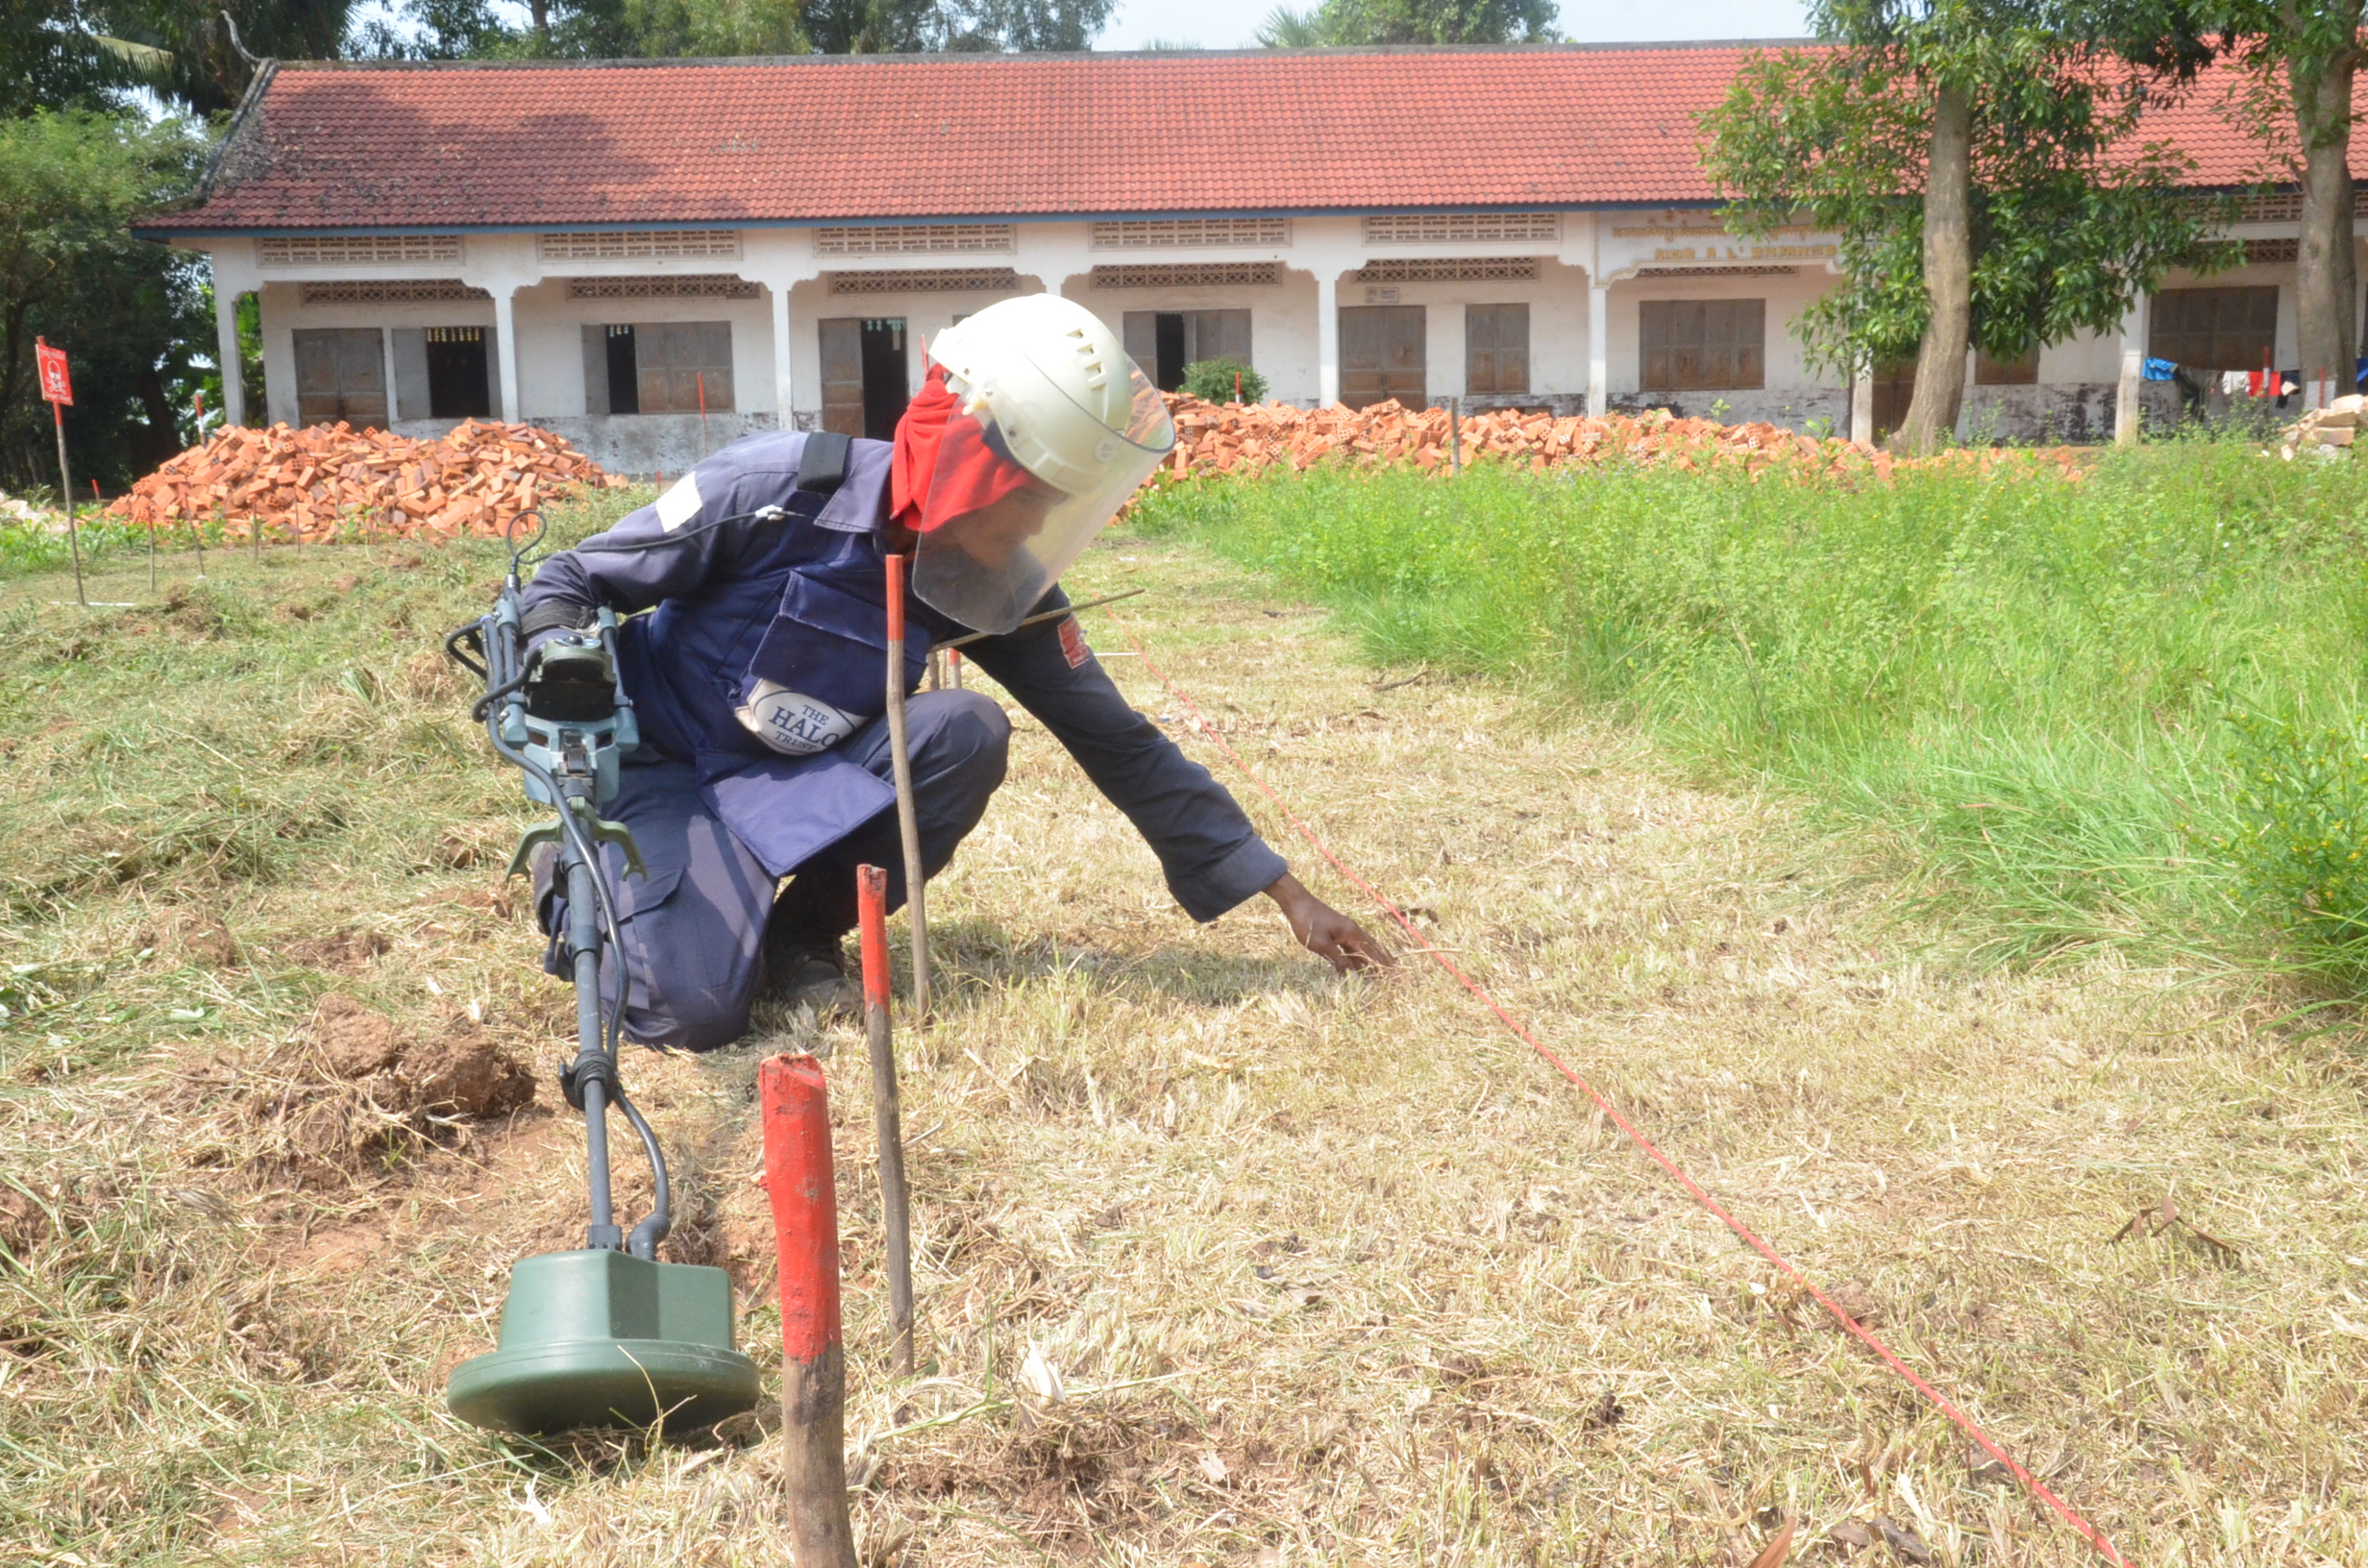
pixel 800 597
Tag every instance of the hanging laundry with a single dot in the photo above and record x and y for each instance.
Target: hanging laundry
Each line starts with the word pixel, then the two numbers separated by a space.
pixel 2252 382
pixel 2163 370
pixel 2237 383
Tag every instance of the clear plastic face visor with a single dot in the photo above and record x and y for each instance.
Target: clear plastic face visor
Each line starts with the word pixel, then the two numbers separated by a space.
pixel 995 537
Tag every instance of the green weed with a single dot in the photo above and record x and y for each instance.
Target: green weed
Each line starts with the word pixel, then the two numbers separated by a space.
pixel 2020 681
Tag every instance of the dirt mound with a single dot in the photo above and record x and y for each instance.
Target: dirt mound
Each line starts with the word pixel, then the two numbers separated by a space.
pixel 316 480
pixel 362 1083
pixel 462 1072
pixel 353 1040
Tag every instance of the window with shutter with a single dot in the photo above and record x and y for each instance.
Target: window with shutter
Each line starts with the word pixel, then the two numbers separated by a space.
pixel 1702 345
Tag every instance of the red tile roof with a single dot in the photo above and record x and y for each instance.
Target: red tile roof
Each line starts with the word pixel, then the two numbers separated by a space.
pixel 820 138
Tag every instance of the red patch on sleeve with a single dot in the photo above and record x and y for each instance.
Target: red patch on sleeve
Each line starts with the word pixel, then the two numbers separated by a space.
pixel 1073 641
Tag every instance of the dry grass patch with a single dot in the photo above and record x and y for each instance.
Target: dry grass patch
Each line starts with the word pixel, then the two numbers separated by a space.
pixel 1319 1270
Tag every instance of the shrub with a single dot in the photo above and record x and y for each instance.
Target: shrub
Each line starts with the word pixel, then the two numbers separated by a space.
pixel 2301 800
pixel 1215 380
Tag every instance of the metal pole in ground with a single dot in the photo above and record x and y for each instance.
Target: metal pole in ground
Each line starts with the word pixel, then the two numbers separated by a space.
pixel 66 488
pixel 794 1109
pixel 887 1110
pixel 909 824
pixel 1455 436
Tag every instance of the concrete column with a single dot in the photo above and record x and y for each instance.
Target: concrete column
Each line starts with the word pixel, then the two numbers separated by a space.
pixel 781 380
pixel 1327 337
pixel 226 350
pixel 386 351
pixel 1862 406
pixel 505 336
pixel 1598 348
pixel 2133 373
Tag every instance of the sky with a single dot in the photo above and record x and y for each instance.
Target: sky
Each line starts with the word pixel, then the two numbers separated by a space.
pixel 1233 24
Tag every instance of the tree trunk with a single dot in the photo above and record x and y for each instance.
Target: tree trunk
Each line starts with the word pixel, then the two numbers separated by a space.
pixel 1948 277
pixel 538 17
pixel 2325 289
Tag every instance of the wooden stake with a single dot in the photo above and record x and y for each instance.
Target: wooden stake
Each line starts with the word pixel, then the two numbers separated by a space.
pixel 887 1110
pixel 65 489
pixel 793 1102
pixel 908 822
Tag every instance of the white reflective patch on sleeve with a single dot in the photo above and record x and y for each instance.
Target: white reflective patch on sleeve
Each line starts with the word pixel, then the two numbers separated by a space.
pixel 679 504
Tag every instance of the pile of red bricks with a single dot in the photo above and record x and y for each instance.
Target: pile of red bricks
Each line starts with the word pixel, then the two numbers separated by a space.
pixel 327 479
pixel 1230 438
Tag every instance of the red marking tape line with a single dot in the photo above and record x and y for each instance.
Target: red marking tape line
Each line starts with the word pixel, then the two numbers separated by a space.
pixel 2091 1534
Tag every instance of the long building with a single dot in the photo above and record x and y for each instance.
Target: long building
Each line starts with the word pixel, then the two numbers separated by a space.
pixel 654 257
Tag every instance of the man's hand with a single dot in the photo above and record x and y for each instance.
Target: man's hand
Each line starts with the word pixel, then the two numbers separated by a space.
pixel 1325 931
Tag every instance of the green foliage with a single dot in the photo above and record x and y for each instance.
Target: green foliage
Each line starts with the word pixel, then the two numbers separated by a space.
pixel 709 27
pixel 49 59
pixel 2018 682
pixel 126 311
pixel 1224 380
pixel 2064 235
pixel 1367 22
pixel 699 28
pixel 205 73
pixel 2300 804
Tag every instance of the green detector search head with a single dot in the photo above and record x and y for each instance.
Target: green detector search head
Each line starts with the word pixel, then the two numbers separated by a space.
pixel 602 1338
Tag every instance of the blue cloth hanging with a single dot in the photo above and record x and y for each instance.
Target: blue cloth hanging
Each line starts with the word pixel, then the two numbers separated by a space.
pixel 2163 370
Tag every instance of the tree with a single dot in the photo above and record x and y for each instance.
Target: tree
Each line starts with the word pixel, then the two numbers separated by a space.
pixel 1978 161
pixel 125 310
pixel 1368 22
pixel 52 58
pixel 697 29
pixel 206 71
pixel 2315 47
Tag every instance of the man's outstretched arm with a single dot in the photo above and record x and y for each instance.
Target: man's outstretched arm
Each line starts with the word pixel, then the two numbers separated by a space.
pixel 1212 856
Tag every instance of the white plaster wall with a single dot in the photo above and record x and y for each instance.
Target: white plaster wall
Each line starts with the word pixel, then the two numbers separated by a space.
pixel 926 312
pixel 1556 301
pixel 1282 322
pixel 1284 329
pixel 551 327
pixel 2084 356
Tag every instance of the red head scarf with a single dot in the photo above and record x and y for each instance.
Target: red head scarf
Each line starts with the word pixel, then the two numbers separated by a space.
pixel 943 467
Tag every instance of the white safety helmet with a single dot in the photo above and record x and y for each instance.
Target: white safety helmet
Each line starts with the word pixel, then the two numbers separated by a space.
pixel 1041 382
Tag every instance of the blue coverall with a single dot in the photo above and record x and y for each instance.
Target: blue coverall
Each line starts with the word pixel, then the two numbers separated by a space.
pixel 800 598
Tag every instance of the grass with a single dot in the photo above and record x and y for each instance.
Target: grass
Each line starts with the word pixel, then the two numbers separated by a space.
pixel 1336 1273
pixel 2040 692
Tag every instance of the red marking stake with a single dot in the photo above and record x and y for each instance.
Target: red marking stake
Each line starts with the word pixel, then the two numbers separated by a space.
pixel 794 1108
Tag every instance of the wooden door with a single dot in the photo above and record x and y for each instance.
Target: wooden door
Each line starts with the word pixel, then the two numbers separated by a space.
pixel 1496 349
pixel 1382 355
pixel 342 374
pixel 843 375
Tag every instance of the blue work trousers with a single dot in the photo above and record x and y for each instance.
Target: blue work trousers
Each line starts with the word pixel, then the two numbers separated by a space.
pixel 695 925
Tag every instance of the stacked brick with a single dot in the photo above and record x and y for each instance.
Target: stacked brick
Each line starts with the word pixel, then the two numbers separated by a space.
pixel 2326 433
pixel 1232 438
pixel 327 479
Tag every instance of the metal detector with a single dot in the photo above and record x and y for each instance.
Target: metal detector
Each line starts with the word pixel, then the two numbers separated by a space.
pixel 605 1335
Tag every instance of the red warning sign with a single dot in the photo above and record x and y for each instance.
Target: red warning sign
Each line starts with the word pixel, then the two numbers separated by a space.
pixel 56 386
